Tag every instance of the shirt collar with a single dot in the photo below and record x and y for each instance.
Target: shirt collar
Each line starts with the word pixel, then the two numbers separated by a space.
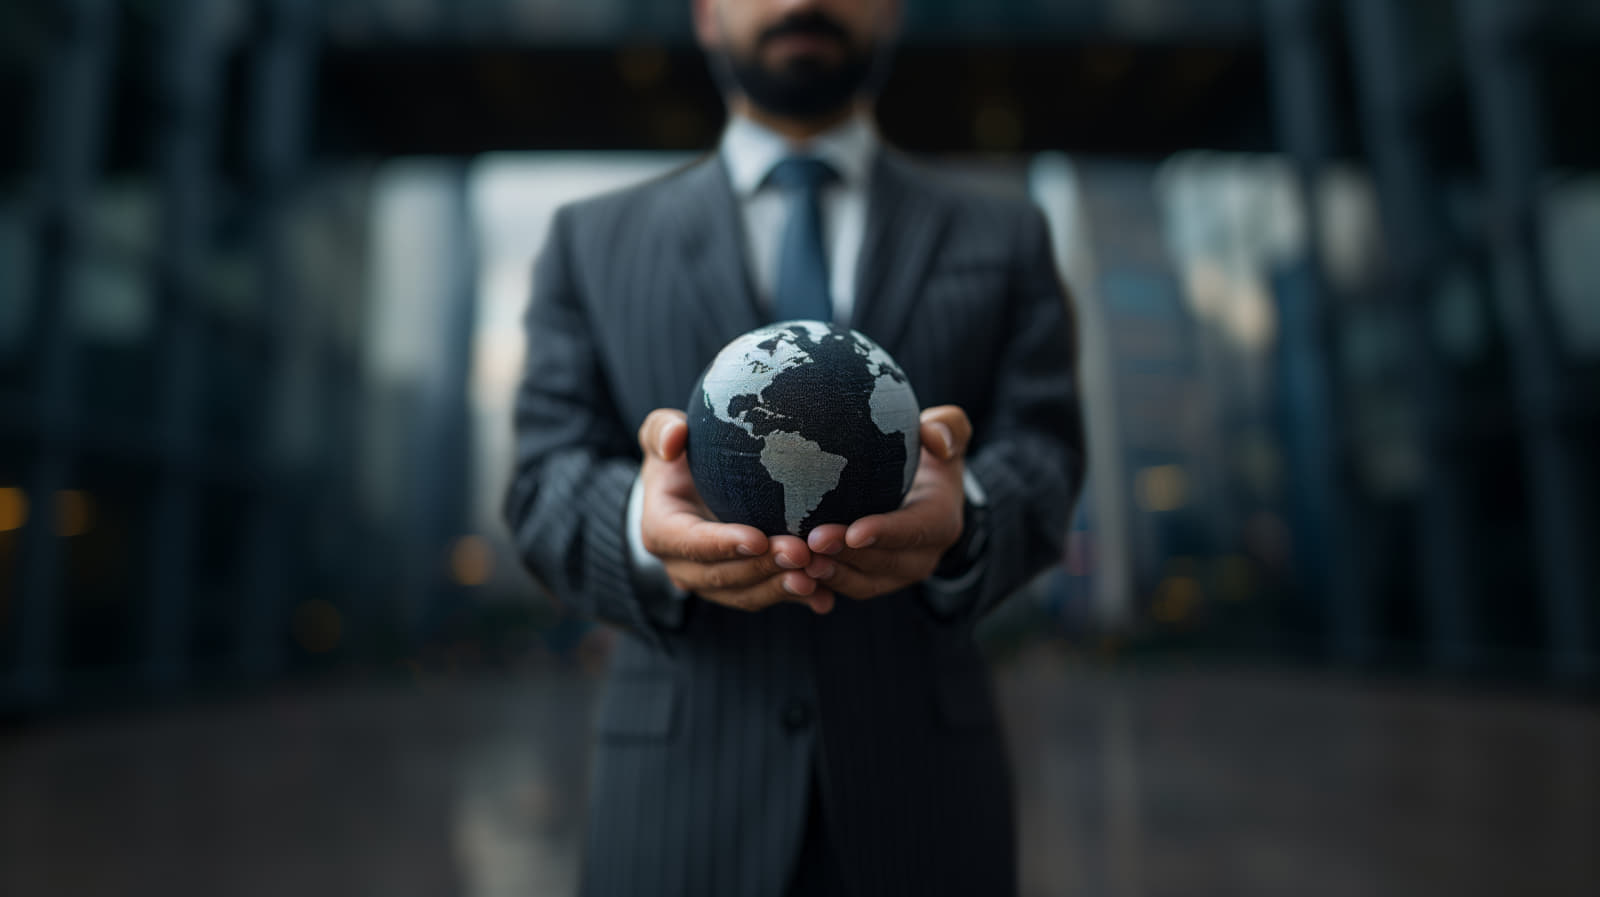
pixel 751 150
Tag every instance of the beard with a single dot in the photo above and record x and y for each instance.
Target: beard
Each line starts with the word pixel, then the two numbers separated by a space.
pixel 806 87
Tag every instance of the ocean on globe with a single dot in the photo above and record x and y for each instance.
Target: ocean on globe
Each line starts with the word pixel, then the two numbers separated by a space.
pixel 802 423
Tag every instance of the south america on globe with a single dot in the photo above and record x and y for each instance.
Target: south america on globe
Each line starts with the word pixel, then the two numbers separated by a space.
pixel 802 423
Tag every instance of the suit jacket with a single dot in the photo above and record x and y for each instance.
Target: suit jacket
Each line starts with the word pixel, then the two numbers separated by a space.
pixel 714 721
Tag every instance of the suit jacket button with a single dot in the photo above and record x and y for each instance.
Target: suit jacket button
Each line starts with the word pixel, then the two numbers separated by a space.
pixel 796 715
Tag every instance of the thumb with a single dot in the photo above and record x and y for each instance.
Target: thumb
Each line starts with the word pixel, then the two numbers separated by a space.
pixel 946 431
pixel 664 434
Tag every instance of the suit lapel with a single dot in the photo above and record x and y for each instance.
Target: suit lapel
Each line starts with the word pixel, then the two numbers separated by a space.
pixel 712 297
pixel 715 293
pixel 904 228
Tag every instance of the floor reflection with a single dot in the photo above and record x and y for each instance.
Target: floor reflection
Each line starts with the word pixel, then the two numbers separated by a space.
pixel 1133 784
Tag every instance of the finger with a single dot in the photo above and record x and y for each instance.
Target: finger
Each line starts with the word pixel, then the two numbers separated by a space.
pixel 905 530
pixel 790 552
pixel 859 585
pixel 878 565
pixel 933 520
pixel 821 567
pixel 803 589
pixel 820 602
pixel 897 530
pixel 723 575
pixel 946 431
pixel 788 586
pixel 664 434
pixel 827 538
pixel 796 584
pixel 704 541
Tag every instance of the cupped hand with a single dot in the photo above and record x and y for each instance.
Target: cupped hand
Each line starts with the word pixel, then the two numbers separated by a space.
pixel 884 553
pixel 730 564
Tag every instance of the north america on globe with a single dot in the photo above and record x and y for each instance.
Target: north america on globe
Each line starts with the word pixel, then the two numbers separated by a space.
pixel 802 423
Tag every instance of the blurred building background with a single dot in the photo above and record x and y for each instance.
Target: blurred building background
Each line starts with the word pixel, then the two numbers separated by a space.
pixel 262 264
pixel 264 261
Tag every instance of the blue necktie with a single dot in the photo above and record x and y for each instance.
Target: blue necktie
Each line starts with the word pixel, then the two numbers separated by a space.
pixel 802 288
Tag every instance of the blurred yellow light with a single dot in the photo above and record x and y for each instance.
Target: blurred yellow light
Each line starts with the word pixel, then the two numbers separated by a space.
pixel 1176 599
pixel 13 509
pixel 317 626
pixel 1164 488
pixel 74 513
pixel 471 560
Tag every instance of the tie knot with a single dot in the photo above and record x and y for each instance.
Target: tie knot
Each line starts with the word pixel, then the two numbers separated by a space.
pixel 803 172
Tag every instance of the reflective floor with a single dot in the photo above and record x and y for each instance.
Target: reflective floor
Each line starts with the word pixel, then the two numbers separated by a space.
pixel 1133 784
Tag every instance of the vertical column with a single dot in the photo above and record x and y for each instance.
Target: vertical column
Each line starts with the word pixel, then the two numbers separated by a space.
pixel 1056 185
pixel 281 62
pixel 1390 100
pixel 1330 561
pixel 446 426
pixel 1498 38
pixel 72 115
pixel 186 67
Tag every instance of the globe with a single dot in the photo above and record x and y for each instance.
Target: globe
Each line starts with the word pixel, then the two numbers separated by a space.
pixel 802 423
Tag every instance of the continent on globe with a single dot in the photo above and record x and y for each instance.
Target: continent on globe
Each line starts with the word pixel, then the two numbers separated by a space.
pixel 802 423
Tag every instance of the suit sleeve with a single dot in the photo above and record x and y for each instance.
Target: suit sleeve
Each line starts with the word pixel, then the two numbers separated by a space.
pixel 1029 458
pixel 575 461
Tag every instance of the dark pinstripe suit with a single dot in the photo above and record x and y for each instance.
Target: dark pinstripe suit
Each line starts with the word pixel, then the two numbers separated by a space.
pixel 714 721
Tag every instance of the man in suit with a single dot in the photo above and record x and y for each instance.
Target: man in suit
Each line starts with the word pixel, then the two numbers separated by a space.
pixel 787 715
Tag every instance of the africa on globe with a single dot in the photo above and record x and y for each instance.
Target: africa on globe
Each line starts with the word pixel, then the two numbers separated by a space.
pixel 802 423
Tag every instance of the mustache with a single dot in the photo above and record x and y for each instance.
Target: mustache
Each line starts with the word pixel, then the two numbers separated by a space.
pixel 810 24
